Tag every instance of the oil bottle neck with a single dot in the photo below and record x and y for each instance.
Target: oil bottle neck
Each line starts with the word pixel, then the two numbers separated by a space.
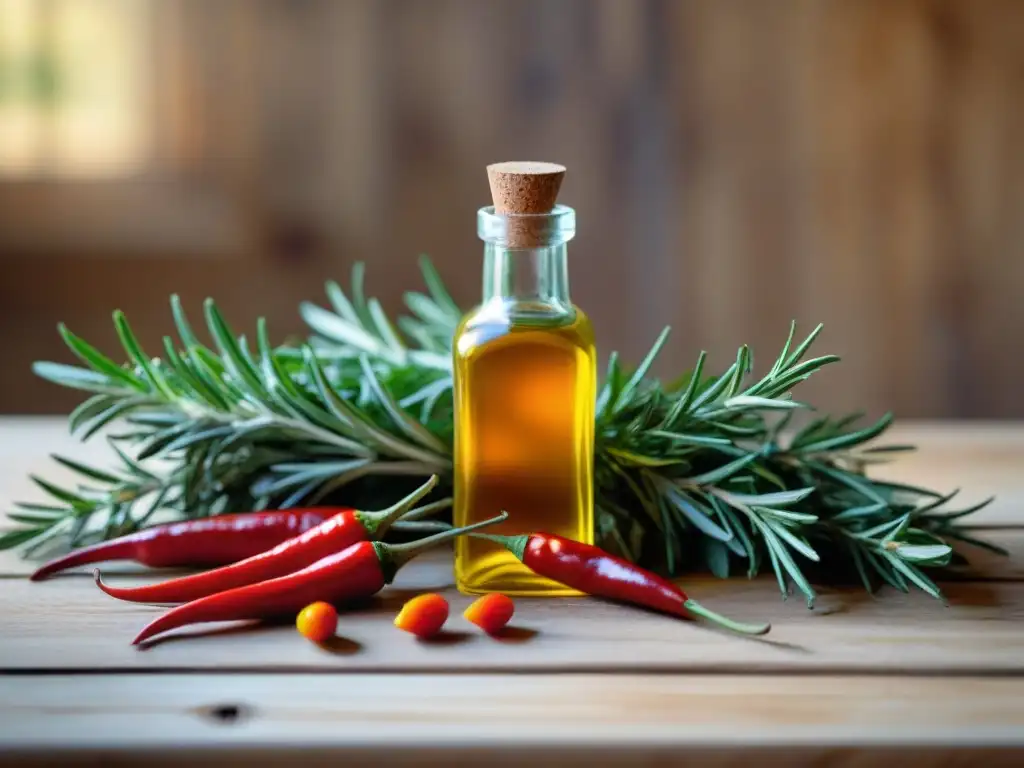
pixel 536 277
pixel 525 261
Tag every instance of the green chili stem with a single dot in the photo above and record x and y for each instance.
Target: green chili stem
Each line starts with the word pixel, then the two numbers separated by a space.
pixel 426 510
pixel 735 626
pixel 394 556
pixel 377 523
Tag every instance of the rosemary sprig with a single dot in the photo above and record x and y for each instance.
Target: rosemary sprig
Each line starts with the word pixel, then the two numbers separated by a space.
pixel 700 473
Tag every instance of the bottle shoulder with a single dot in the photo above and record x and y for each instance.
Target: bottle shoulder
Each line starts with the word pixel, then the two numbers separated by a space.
pixel 524 313
pixel 486 324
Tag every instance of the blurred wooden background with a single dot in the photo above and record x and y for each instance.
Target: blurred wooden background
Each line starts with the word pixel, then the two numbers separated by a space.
pixel 734 164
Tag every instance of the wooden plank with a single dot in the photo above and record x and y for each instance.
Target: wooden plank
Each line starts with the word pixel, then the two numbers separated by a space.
pixel 985 565
pixel 982 458
pixel 25 447
pixel 270 720
pixel 66 624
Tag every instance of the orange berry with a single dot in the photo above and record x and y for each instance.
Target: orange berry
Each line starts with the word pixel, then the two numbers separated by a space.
pixel 317 621
pixel 424 615
pixel 491 612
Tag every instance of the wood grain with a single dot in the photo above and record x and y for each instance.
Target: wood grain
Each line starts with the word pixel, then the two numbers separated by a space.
pixel 564 717
pixel 981 459
pixel 716 756
pixel 981 631
pixel 25 448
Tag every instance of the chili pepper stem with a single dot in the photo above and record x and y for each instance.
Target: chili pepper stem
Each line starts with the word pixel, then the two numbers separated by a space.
pixel 426 510
pixel 701 612
pixel 378 523
pixel 514 544
pixel 394 556
pixel 420 526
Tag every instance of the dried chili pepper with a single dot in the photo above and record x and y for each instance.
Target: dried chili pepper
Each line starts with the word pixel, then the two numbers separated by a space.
pixel 359 571
pixel 424 615
pixel 491 612
pixel 331 536
pixel 591 570
pixel 205 543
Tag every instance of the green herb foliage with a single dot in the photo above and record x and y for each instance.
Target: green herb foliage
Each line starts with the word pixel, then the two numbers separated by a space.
pixel 703 473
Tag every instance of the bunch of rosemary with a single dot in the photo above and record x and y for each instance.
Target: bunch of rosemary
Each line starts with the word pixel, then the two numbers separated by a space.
pixel 703 472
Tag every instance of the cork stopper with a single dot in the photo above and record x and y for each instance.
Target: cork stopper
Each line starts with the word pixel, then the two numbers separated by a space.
pixel 527 189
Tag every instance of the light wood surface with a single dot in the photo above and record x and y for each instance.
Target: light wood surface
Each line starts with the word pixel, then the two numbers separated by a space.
pixel 852 682
pixel 594 713
pixel 980 631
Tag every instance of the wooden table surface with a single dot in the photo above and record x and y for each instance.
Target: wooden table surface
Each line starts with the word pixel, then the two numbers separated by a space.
pixel 854 681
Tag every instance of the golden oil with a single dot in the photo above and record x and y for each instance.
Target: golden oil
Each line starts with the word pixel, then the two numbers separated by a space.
pixel 525 386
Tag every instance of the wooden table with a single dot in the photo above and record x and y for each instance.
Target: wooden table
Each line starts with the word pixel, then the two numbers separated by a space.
pixel 854 681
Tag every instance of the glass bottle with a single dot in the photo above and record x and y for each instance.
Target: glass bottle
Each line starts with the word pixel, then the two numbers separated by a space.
pixel 525 386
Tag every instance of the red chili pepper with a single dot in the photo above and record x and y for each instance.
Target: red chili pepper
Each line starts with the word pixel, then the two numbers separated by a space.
pixel 593 571
pixel 331 536
pixel 359 571
pixel 204 543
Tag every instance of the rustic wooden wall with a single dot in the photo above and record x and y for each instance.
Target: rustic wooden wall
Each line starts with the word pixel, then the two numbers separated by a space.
pixel 734 164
